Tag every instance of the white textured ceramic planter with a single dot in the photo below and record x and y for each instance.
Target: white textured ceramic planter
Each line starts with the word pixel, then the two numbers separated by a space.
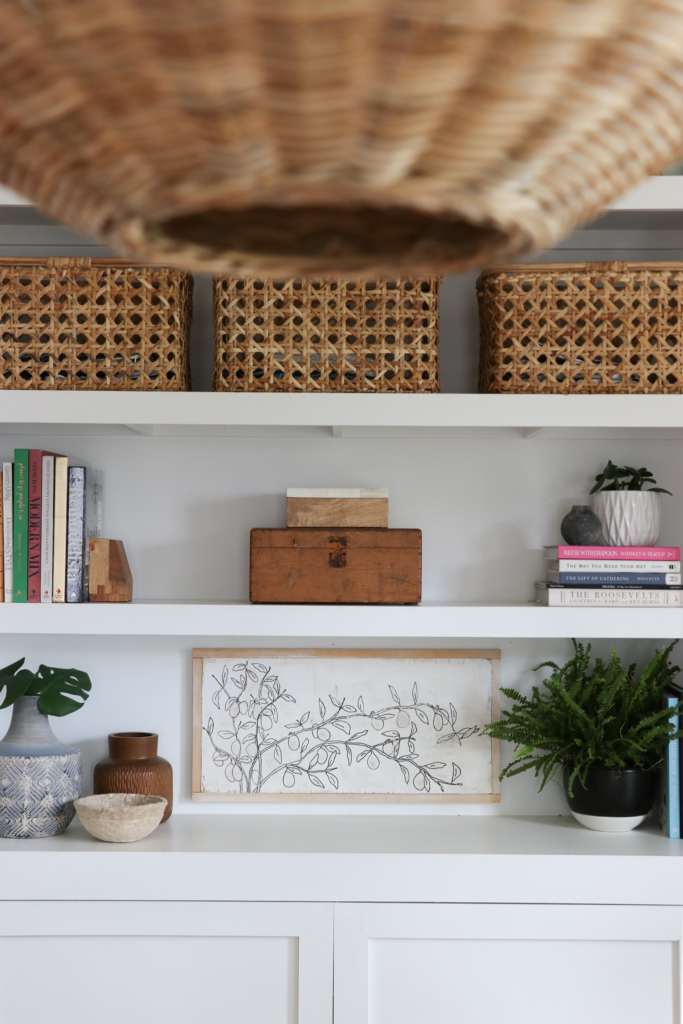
pixel 629 518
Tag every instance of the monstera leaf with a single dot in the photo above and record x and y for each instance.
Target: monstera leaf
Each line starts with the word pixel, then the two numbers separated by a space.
pixel 54 687
pixel 17 682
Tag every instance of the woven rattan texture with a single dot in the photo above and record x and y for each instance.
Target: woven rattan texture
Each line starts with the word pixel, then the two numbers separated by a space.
pixel 94 326
pixel 334 137
pixel 370 336
pixel 614 328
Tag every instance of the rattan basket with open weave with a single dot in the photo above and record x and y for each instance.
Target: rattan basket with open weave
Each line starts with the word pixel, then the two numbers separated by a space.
pixel 93 325
pixel 601 328
pixel 296 335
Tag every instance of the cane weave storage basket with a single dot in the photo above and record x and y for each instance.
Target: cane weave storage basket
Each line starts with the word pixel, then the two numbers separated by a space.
pixel 93 325
pixel 297 335
pixel 599 328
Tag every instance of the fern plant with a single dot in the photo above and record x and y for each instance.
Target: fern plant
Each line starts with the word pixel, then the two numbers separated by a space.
pixel 607 717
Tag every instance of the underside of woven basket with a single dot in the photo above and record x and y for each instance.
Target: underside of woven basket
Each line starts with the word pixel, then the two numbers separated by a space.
pixel 326 136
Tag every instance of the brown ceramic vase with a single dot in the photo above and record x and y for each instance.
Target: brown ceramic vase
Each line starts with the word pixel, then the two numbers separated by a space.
pixel 133 767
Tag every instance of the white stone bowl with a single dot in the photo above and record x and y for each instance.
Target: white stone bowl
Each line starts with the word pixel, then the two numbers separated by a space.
pixel 120 817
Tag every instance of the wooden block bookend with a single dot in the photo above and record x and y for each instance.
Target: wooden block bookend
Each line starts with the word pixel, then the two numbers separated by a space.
pixel 110 575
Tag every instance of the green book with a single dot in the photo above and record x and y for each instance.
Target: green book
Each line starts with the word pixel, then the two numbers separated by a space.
pixel 21 524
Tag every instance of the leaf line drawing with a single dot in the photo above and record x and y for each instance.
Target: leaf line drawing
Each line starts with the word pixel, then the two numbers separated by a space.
pixel 256 749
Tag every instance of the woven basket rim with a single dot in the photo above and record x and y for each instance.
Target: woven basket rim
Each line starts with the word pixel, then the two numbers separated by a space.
pixel 83 263
pixel 587 267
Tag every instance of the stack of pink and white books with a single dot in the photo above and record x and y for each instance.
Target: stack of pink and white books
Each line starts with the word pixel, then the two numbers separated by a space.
pixel 604 577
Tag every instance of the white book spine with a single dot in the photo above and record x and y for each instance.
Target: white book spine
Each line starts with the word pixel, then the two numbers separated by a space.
pixel 47 523
pixel 577 598
pixel 8 528
pixel 579 565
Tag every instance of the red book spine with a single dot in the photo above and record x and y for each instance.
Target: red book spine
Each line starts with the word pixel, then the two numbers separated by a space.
pixel 35 479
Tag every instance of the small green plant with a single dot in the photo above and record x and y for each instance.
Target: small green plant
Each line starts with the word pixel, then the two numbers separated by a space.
pixel 50 685
pixel 607 717
pixel 625 478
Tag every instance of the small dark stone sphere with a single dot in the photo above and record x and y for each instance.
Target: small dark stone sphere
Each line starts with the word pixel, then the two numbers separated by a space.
pixel 582 526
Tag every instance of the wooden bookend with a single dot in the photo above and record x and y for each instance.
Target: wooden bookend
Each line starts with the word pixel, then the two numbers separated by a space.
pixel 110 575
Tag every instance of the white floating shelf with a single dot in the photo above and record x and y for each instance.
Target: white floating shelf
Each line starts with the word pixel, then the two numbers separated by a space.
pixel 351 858
pixel 10 198
pixel 428 620
pixel 662 192
pixel 348 415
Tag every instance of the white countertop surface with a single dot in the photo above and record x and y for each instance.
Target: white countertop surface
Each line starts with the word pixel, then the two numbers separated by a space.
pixel 352 858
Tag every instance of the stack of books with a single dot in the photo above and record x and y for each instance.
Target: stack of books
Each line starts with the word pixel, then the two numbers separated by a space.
pixel 611 577
pixel 48 512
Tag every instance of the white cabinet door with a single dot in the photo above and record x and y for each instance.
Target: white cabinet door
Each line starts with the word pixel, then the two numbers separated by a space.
pixel 506 964
pixel 165 963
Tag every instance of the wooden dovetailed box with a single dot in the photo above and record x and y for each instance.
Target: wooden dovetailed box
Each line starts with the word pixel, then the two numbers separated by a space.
pixel 337 507
pixel 351 566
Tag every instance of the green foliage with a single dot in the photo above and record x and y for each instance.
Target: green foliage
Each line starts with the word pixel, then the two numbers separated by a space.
pixel 609 717
pixel 51 685
pixel 625 478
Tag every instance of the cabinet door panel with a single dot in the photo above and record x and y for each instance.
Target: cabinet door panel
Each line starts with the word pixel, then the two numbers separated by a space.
pixel 155 979
pixel 398 964
pixel 519 981
pixel 162 963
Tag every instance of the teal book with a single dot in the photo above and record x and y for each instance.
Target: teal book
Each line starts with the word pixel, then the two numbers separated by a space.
pixel 670 806
pixel 21 524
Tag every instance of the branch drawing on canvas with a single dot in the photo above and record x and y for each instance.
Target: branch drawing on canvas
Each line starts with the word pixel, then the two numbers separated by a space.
pixel 297 724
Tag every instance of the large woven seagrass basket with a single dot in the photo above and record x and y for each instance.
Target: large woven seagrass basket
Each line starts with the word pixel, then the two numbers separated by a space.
pixel 93 325
pixel 298 335
pixel 600 328
pixel 335 137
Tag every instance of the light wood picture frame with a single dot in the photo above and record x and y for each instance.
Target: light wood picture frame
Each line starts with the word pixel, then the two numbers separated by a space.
pixel 345 725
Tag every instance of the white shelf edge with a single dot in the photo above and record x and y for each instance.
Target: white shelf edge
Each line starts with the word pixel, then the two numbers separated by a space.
pixel 660 192
pixel 141 412
pixel 345 858
pixel 428 620
pixel 10 198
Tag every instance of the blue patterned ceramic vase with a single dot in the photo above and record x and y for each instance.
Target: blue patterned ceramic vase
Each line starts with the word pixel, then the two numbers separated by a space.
pixel 39 777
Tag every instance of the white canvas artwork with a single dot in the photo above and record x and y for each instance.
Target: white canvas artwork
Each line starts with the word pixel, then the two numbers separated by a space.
pixel 355 723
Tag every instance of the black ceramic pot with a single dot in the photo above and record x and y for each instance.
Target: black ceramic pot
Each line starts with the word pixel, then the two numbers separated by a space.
pixel 582 526
pixel 627 795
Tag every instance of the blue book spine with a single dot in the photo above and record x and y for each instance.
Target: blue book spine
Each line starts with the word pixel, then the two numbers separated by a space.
pixel 672 784
pixel 601 579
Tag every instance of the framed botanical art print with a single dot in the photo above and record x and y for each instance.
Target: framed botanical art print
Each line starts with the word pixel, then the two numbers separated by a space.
pixel 345 725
